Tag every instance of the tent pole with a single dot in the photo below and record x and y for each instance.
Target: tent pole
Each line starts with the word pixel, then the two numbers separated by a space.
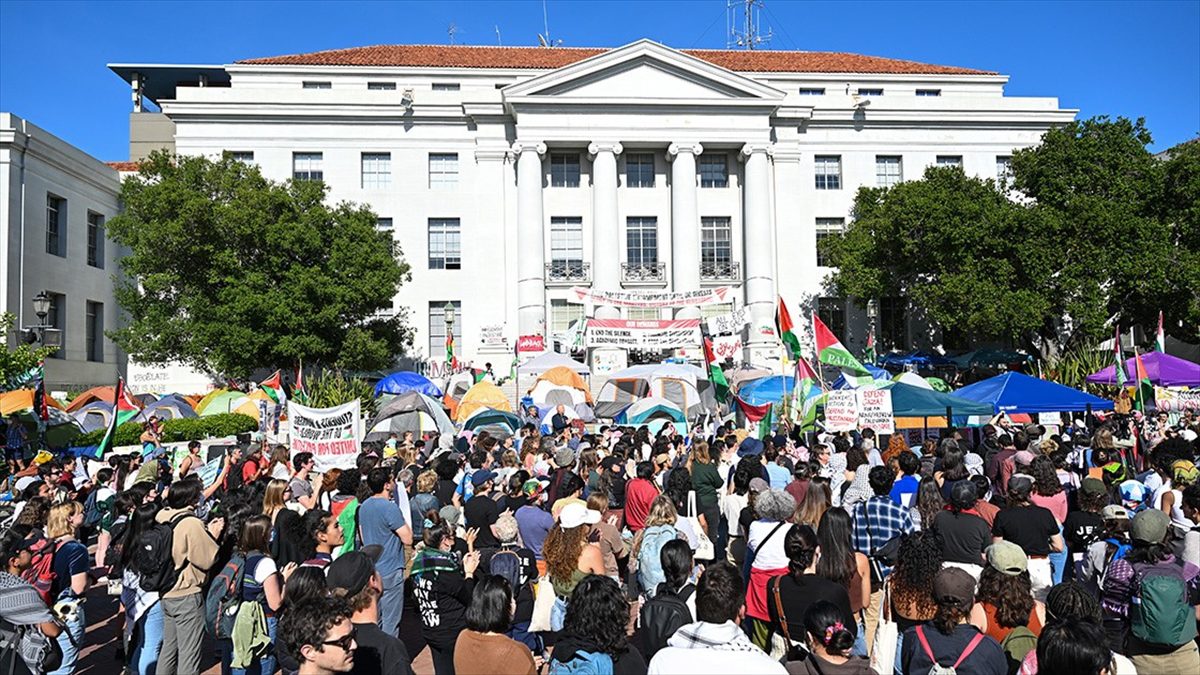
pixel 924 427
pixel 949 418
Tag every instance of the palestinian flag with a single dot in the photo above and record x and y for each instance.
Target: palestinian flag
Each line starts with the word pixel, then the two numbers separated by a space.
pixel 869 352
pixel 715 376
pixel 450 359
pixel 298 391
pixel 787 331
pixel 124 409
pixel 40 408
pixel 1160 341
pixel 273 386
pixel 1118 359
pixel 1145 390
pixel 764 425
pixel 830 350
pixel 806 379
pixel 753 413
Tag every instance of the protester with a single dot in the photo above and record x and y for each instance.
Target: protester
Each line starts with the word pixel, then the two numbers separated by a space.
pixel 23 608
pixel 518 567
pixel 789 596
pixel 829 642
pixel 1031 527
pixel 766 553
pixel 1005 609
pixel 481 514
pixel 948 640
pixel 639 495
pixel 841 564
pixel 381 523
pixel 965 536
pixel 443 589
pixel 327 537
pixel 262 584
pixel 570 557
pixel 143 630
pixel 319 635
pixel 534 522
pixel 484 646
pixel 353 577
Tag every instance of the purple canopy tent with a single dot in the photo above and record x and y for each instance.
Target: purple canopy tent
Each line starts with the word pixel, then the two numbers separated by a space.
pixel 1164 370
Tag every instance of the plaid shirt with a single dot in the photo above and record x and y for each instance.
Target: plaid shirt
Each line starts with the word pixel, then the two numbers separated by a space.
pixel 876 521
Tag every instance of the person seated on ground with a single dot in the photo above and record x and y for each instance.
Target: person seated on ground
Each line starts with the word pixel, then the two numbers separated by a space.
pixel 353 577
pixel 829 641
pixel 948 640
pixel 715 643
pixel 319 635
pixel 594 631
pixel 484 647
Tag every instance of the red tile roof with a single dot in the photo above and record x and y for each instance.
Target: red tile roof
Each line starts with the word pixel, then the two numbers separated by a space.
pixel 124 166
pixel 461 56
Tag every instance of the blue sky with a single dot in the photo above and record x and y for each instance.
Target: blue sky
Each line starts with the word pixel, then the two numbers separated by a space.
pixel 1114 58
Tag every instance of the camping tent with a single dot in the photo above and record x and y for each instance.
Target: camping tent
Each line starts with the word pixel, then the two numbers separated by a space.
pixel 229 402
pixel 540 364
pixel 1014 392
pixel 912 379
pixel 410 411
pixel 736 377
pixel 93 416
pixel 173 407
pixel 1164 370
pixel 499 423
pixel 94 394
pixel 681 383
pixel 561 377
pixel 22 399
pixel 916 359
pixel 483 394
pixel 456 387
pixel 405 381
pixel 771 389
pixel 648 409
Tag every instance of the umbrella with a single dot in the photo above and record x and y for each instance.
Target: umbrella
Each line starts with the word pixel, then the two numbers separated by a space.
pixel 405 381
pixel 1164 370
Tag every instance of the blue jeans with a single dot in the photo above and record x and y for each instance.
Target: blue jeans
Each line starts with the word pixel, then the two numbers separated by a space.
pixel 267 664
pixel 1058 562
pixel 71 642
pixel 391 604
pixel 899 648
pixel 147 638
pixel 860 640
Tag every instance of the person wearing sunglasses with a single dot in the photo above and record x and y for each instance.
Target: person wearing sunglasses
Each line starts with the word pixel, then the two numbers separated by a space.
pixel 319 635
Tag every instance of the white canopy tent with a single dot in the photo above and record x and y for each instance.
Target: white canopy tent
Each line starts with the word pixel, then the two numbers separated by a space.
pixel 540 364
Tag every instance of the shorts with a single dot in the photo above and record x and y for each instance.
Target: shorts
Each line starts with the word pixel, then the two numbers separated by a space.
pixel 14 454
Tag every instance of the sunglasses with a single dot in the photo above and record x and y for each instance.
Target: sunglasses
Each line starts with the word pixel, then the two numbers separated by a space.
pixel 345 642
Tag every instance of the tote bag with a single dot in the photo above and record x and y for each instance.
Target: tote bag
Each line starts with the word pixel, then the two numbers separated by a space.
pixel 705 550
pixel 543 605
pixel 883 651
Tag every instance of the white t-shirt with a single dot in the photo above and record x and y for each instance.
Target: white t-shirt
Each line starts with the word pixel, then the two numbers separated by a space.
pixel 772 556
pixel 280 472
pixel 264 569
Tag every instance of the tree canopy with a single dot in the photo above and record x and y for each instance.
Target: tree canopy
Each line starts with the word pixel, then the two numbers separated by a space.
pixel 17 364
pixel 229 272
pixel 1093 228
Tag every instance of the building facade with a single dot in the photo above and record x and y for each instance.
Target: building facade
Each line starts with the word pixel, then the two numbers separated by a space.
pixel 510 175
pixel 54 202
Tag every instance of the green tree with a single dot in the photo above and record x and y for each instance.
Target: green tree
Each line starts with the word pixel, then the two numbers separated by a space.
pixel 229 272
pixel 16 363
pixel 1181 212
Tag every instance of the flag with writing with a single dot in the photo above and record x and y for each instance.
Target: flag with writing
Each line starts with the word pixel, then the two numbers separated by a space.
pixel 787 330
pixel 830 350
pixel 123 410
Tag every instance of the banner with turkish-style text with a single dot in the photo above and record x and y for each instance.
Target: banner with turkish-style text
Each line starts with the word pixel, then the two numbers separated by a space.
pixel 330 434
pixel 1176 400
pixel 708 296
pixel 841 410
pixel 647 334
pixel 875 410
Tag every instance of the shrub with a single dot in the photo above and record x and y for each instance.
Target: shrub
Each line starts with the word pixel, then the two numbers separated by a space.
pixel 197 429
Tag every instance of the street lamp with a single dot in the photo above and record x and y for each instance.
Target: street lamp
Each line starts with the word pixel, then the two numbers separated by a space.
pixel 448 312
pixel 44 334
pixel 41 306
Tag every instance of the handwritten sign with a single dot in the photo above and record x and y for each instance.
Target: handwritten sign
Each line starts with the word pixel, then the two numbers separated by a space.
pixel 875 410
pixel 841 410
pixel 492 335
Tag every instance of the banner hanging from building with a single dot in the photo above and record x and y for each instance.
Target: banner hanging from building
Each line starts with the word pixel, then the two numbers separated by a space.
pixel 1175 400
pixel 732 323
pixel 708 296
pixel 633 334
pixel 331 434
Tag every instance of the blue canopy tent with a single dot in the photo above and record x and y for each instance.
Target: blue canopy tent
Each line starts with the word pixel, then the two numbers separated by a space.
pixel 406 381
pixel 911 401
pixel 876 373
pixel 1014 392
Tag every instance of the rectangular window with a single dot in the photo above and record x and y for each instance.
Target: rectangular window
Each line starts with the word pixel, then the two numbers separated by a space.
pixel 887 170
pixel 443 170
pixel 714 170
pixel 1003 168
pixel 929 92
pixel 639 170
pixel 243 156
pixel 563 314
pixel 716 241
pixel 641 241
pixel 384 224
pixel 828 172
pixel 832 312
pixel 381 86
pixel 376 170
pixel 445 244
pixel 717 309
pixel 446 86
pixel 869 91
pixel 949 160
pixel 643 313
pixel 827 227
pixel 56 221
pixel 566 242
pixel 437 329
pixel 95 331
pixel 308 84
pixel 812 91
pixel 95 240
pixel 893 324
pixel 564 169
pixel 307 166
pixel 56 318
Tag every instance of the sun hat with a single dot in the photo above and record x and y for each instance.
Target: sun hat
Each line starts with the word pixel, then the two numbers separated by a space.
pixel 576 514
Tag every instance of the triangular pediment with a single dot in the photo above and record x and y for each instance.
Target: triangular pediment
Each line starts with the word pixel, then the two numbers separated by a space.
pixel 643 70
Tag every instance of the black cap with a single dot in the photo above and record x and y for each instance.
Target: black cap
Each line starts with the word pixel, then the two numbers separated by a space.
pixel 962 494
pixel 353 570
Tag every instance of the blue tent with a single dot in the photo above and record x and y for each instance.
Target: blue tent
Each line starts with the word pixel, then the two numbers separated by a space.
pixel 405 381
pixel 876 373
pixel 918 359
pixel 772 389
pixel 1019 393
pixel 910 401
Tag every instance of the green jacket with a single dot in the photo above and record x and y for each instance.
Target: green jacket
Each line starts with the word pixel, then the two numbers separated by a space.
pixel 706 481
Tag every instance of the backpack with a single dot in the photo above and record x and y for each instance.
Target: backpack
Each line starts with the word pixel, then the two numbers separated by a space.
pixel 27 643
pixel 465 487
pixel 939 669
pixel 507 564
pixel 153 561
pixel 224 598
pixel 584 663
pixel 41 569
pixel 1159 611
pixel 1016 645
pixel 91 509
pixel 650 573
pixel 662 615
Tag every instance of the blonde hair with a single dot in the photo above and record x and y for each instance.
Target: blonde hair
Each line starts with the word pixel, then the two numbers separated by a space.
pixel 426 481
pixel 58 523
pixel 662 512
pixel 273 498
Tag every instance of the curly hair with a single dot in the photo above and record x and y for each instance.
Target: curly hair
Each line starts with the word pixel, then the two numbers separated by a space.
pixel 679 484
pixel 929 502
pixel 896 445
pixel 561 550
pixel 309 622
pixel 919 559
pixel 598 613
pixel 1045 479
pixel 1072 601
pixel 775 505
pixel 1011 595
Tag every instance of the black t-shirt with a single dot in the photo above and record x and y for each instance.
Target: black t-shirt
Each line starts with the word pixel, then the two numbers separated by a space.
pixel 1029 527
pixel 616 492
pixel 445 492
pixel 482 511
pixel 379 653
pixel 798 596
pixel 746 517
pixel 442 600
pixel 1082 529
pixel 528 575
pixel 964 537
pixel 510 503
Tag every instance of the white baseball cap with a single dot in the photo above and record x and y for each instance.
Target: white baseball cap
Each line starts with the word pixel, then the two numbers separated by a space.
pixel 576 514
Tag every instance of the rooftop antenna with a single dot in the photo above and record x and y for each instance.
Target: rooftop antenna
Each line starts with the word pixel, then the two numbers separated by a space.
pixel 743 24
pixel 499 43
pixel 451 31
pixel 544 39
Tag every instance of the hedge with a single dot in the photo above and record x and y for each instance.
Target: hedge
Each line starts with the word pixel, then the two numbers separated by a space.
pixel 195 429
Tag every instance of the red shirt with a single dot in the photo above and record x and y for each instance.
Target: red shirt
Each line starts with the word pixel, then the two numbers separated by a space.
pixel 987 511
pixel 639 493
pixel 249 471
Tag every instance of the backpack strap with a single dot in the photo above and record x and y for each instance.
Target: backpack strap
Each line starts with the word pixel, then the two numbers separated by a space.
pixel 779 609
pixel 686 592
pixel 925 644
pixel 966 652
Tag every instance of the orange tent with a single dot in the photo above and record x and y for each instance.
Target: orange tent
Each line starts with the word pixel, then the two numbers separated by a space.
pixel 104 394
pixel 21 399
pixel 565 377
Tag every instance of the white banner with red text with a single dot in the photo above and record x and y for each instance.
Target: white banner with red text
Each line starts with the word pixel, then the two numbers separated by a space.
pixel 708 296
pixel 332 435
pixel 647 334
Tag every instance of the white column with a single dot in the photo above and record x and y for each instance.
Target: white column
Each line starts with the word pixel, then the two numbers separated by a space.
pixel 760 283
pixel 531 283
pixel 606 226
pixel 685 223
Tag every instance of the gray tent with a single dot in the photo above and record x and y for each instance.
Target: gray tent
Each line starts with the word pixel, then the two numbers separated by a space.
pixel 410 411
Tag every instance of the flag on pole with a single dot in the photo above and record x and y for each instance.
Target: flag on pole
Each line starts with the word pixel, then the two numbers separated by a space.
pixel 124 409
pixel 298 391
pixel 1160 341
pixel 753 413
pixel 40 408
pixel 764 425
pixel 806 379
pixel 273 386
pixel 450 359
pixel 787 332
pixel 869 352
pixel 1118 360
pixel 831 351
pixel 1145 390
pixel 715 376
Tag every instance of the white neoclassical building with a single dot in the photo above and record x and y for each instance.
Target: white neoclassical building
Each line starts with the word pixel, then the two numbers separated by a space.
pixel 510 175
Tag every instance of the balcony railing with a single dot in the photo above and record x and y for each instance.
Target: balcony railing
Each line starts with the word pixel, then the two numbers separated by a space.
pixel 720 271
pixel 568 272
pixel 644 273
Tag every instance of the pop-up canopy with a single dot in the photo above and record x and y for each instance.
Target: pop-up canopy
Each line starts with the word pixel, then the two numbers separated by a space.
pixel 405 381
pixel 1164 370
pixel 1014 392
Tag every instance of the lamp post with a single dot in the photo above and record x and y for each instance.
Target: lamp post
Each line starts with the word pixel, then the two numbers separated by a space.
pixel 43 333
pixel 448 312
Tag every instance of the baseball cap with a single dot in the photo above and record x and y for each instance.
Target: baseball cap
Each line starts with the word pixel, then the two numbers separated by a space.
pixel 352 570
pixel 482 476
pixel 1133 491
pixel 1149 526
pixel 564 457
pixel 575 514
pixel 533 487
pixel 450 514
pixel 1114 512
pixel 1032 430
pixel 1024 457
pixel 1007 558
pixel 1093 487
pixel 954 585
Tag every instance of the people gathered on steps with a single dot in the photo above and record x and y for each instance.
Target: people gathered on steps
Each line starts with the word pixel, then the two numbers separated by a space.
pixel 1011 549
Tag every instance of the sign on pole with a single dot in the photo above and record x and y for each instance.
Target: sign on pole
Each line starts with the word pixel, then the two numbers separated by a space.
pixel 332 435
pixel 531 343
pixel 875 410
pixel 841 410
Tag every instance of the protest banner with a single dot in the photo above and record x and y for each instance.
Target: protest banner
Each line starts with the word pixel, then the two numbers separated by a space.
pixel 726 324
pixel 531 343
pixel 708 296
pixel 727 347
pixel 492 335
pixel 330 434
pixel 841 410
pixel 647 334
pixel 875 410
pixel 1176 400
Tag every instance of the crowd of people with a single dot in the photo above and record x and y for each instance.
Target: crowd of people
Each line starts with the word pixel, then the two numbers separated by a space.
pixel 1005 549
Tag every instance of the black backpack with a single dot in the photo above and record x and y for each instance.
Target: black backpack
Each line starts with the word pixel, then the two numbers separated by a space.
pixel 662 615
pixel 153 561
